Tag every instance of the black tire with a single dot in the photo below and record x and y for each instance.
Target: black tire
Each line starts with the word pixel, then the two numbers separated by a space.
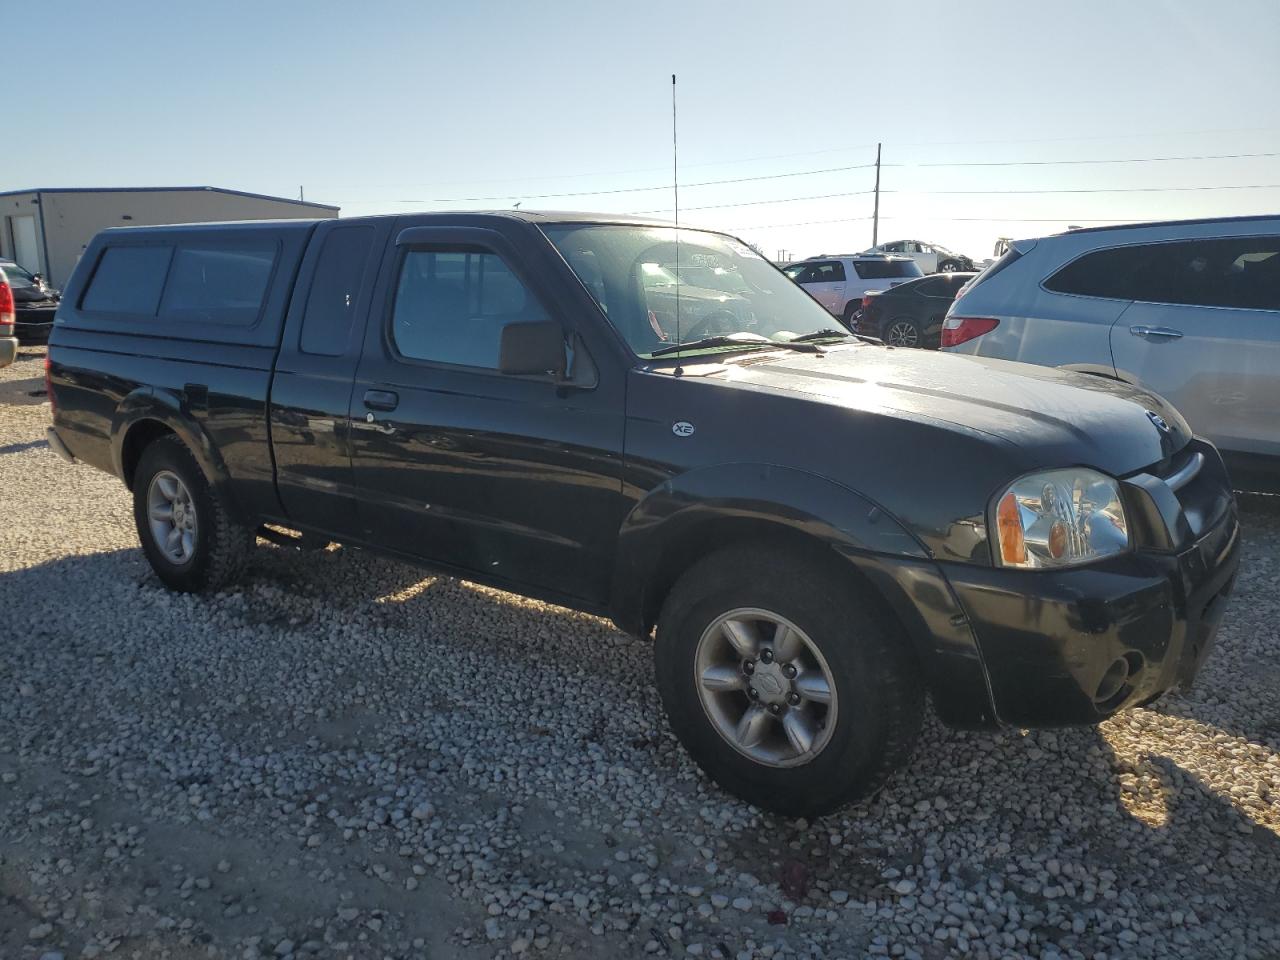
pixel 850 312
pixel 221 548
pixel 950 266
pixel 881 700
pixel 902 332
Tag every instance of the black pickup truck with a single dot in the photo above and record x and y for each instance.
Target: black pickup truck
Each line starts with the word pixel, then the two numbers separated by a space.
pixel 824 530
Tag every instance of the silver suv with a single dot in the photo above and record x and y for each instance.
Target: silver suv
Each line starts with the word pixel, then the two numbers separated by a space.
pixel 1188 309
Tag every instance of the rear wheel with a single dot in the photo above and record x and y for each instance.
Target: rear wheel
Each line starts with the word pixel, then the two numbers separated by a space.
pixel 186 530
pixel 785 682
pixel 949 266
pixel 902 332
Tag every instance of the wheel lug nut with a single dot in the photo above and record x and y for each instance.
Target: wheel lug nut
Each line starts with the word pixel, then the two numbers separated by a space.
pixel 775 708
pixel 766 656
pixel 753 693
pixel 789 671
pixel 793 699
pixel 748 667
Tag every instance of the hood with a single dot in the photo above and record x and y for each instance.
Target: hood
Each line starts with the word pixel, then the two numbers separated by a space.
pixel 1053 418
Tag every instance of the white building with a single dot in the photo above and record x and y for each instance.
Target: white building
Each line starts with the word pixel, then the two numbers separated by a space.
pixel 46 230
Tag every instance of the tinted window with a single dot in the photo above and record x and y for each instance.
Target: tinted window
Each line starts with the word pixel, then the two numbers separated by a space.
pixel 1235 272
pixel 886 269
pixel 939 286
pixel 128 280
pixel 225 283
pixel 331 304
pixel 828 271
pixel 451 307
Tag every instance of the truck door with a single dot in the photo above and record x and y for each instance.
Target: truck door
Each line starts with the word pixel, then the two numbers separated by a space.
pixel 516 479
pixel 311 388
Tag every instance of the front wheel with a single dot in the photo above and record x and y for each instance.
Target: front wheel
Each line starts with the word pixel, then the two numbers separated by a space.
pixel 186 530
pixel 949 266
pixel 785 682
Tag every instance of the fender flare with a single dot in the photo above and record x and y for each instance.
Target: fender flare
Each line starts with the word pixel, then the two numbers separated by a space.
pixel 170 408
pixel 784 497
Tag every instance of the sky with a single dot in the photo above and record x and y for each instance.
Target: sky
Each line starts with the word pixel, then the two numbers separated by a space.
pixel 389 107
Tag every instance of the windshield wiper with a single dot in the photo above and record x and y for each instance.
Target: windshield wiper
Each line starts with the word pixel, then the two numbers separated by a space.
pixel 735 340
pixel 842 334
pixel 821 335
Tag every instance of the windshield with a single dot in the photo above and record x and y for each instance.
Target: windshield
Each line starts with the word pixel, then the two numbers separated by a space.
pixel 18 277
pixel 725 288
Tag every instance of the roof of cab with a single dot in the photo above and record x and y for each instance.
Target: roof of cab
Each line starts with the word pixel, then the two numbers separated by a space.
pixel 525 216
pixel 288 225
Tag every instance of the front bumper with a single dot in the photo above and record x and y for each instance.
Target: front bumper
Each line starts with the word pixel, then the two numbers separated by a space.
pixel 8 350
pixel 1075 646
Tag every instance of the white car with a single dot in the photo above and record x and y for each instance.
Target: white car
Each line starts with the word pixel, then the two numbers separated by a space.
pixel 931 257
pixel 1189 310
pixel 840 282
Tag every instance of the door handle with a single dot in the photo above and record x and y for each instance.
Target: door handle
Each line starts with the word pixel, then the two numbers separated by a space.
pixel 381 400
pixel 1166 333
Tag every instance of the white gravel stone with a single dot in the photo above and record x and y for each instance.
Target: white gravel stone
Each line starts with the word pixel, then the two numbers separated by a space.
pixel 341 728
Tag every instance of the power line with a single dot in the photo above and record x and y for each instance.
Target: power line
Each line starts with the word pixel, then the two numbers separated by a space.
pixel 1240 186
pixel 860 146
pixel 601 193
pixel 860 193
pixel 1072 219
pixel 759 203
pixel 618 173
pixel 803 223
pixel 1122 136
pixel 1054 163
pixel 865 166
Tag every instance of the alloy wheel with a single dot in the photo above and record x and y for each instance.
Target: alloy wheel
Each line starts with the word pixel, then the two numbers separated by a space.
pixel 171 515
pixel 765 687
pixel 902 334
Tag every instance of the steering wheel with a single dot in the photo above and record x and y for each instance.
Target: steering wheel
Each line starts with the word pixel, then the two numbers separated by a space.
pixel 715 322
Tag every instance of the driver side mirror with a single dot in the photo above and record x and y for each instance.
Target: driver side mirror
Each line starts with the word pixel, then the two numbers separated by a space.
pixel 533 349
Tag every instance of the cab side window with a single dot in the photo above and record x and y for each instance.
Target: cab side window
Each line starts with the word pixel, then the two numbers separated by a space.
pixel 452 305
pixel 331 304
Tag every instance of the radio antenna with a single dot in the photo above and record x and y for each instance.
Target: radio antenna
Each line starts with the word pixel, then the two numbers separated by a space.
pixel 675 197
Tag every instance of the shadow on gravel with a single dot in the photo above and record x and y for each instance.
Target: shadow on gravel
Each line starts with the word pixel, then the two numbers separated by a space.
pixel 1143 805
pixel 20 447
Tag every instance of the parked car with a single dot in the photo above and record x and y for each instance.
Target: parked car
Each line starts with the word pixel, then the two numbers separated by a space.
pixel 840 282
pixel 8 342
pixel 35 303
pixel 489 395
pixel 911 314
pixel 1189 310
pixel 930 257
pixel 1000 248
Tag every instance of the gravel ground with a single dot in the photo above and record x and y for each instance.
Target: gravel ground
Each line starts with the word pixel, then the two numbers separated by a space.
pixel 348 758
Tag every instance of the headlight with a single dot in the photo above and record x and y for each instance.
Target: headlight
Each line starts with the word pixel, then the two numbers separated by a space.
pixel 1059 518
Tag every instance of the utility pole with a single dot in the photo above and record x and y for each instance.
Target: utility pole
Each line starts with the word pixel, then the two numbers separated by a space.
pixel 875 219
pixel 300 195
